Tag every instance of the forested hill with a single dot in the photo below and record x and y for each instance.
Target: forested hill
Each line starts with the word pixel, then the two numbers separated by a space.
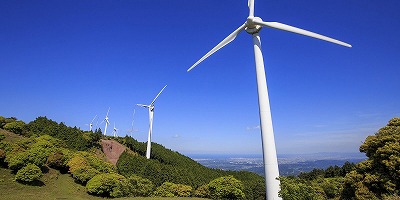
pixel 43 143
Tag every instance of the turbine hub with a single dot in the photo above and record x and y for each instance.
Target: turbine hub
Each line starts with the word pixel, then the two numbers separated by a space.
pixel 251 27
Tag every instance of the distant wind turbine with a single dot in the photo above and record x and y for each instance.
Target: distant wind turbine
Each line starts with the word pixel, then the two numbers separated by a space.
pixel 252 26
pixel 106 121
pixel 91 123
pixel 115 131
pixel 133 119
pixel 151 112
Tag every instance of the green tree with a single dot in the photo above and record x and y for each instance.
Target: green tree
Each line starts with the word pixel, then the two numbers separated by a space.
pixel 293 188
pixel 379 175
pixel 28 174
pixel 226 187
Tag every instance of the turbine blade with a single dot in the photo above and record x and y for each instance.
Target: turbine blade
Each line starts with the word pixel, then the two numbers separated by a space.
pixel 142 105
pixel 94 119
pixel 250 3
pixel 158 95
pixel 108 111
pixel 292 29
pixel 224 42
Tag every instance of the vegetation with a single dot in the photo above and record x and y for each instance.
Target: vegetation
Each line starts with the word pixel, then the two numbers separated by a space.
pixel 40 150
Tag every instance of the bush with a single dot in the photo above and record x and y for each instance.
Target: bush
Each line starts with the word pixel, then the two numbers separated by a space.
pixel 140 186
pixel 168 189
pixel 15 127
pixel 2 137
pixel 226 187
pixel 28 174
pixel 202 192
pixel 108 184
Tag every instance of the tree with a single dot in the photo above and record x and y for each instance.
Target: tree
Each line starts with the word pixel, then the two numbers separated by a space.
pixel 379 175
pixel 226 187
pixel 28 174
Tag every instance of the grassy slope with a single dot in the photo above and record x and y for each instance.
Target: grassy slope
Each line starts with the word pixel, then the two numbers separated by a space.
pixel 56 186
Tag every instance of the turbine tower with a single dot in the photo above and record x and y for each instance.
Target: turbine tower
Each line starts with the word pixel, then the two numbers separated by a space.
pixel 106 122
pixel 151 112
pixel 252 26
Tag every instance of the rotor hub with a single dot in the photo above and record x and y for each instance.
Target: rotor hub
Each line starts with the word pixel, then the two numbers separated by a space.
pixel 251 26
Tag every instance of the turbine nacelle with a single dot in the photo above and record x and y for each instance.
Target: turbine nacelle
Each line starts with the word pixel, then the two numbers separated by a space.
pixel 251 26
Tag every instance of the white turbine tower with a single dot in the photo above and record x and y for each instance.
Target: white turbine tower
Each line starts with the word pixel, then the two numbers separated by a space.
pixel 151 112
pixel 252 26
pixel 91 123
pixel 115 131
pixel 106 122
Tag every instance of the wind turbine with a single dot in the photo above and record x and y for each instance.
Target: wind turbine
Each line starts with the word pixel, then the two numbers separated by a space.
pixel 91 124
pixel 151 112
pixel 133 119
pixel 253 25
pixel 115 131
pixel 106 121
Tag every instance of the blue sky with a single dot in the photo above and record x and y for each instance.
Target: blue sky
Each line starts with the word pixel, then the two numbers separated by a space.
pixel 71 60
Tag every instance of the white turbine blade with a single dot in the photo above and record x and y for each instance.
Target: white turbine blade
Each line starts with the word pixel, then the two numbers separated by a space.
pixel 158 95
pixel 250 3
pixel 93 119
pixel 224 42
pixel 292 29
pixel 108 111
pixel 142 105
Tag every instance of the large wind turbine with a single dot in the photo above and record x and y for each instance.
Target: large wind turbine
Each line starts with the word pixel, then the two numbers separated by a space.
pixel 106 121
pixel 252 26
pixel 151 112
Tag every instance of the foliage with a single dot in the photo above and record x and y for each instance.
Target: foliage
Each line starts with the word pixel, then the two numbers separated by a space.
pixel 202 192
pixel 4 121
pixel 108 184
pixel 2 137
pixel 293 188
pixel 28 174
pixel 226 187
pixel 15 127
pixel 379 175
pixel 73 137
pixel 84 166
pixel 140 186
pixel 168 189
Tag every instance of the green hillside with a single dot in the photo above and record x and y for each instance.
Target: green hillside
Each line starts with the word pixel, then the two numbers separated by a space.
pixel 44 154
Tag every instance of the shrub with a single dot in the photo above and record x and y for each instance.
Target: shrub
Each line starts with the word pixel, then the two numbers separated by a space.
pixel 226 187
pixel 28 174
pixel 17 161
pixel 108 184
pixel 140 186
pixel 202 192
pixel 2 137
pixel 15 127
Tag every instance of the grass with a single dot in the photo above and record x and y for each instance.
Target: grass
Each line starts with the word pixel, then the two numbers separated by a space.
pixel 56 186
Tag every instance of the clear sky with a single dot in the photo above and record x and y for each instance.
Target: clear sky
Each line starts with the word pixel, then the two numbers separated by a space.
pixel 70 60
